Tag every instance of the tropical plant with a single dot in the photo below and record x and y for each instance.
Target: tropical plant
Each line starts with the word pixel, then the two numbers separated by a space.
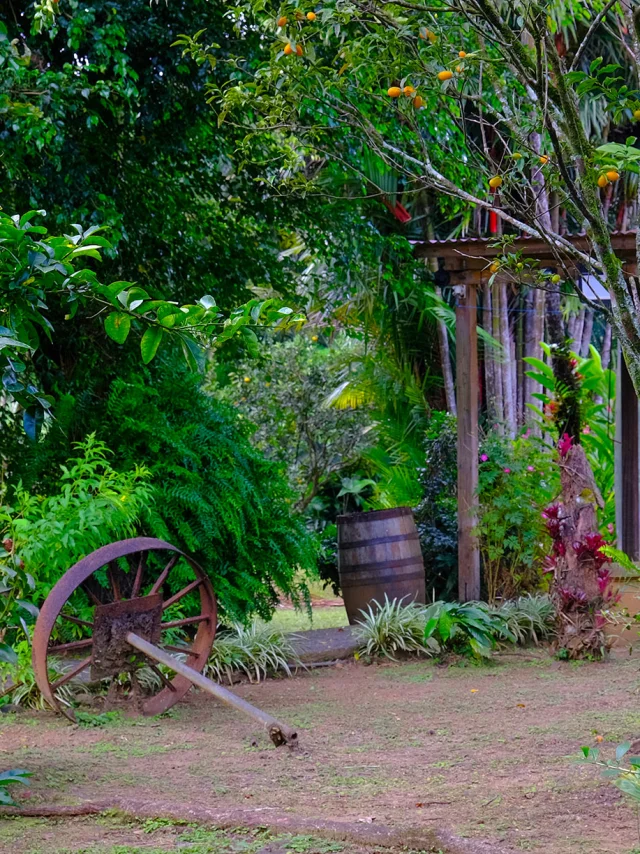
pixel 394 628
pixel 466 629
pixel 257 650
pixel 517 479
pixel 20 681
pixel 9 778
pixel 596 403
pixel 623 772
pixel 529 618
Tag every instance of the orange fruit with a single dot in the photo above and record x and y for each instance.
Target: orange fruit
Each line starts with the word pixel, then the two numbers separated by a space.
pixel 445 75
pixel 314 338
pixel 282 21
pixel 418 102
pixel 612 175
pixel 427 34
pixel 603 181
pixel 544 159
pixel 462 54
pixel 288 50
pixel 409 90
pixel 394 92
pixel 311 16
pixel 299 50
pixel 495 182
pixel 599 739
pixel 459 68
pixel 494 267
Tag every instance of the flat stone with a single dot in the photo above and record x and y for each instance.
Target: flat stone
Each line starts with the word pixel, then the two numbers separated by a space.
pixel 318 645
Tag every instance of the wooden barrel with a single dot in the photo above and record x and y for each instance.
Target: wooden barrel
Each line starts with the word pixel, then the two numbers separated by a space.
pixel 379 554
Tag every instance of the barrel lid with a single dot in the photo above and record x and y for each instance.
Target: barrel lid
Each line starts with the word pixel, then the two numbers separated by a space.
pixel 393 513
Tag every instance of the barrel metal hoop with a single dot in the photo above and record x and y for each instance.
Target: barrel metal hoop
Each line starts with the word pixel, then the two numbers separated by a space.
pixel 381 564
pixel 381 579
pixel 379 541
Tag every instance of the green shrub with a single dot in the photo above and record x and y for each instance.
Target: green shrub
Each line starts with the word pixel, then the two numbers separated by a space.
pixel 9 778
pixel 25 692
pixel 473 629
pixel 217 498
pixel 257 650
pixel 392 628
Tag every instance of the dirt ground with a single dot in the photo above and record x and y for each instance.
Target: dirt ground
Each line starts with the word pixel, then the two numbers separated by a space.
pixel 487 754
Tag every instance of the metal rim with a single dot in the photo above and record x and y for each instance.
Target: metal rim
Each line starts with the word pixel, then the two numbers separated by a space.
pixel 198 651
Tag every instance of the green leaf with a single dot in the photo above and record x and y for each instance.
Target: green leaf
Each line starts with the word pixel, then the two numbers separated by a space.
pixel 150 343
pixel 622 749
pixel 7 654
pixel 117 326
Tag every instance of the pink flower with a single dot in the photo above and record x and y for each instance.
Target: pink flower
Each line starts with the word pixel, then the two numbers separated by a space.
pixel 530 468
pixel 564 445
pixel 610 528
pixel 507 471
pixel 527 434
pixel 484 458
pixel 586 430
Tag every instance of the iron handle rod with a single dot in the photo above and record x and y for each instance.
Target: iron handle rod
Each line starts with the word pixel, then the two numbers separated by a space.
pixel 279 733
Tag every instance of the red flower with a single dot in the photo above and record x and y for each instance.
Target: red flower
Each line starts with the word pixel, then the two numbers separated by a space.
pixel 564 445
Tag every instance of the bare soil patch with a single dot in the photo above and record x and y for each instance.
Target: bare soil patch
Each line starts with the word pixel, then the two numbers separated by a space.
pixel 484 753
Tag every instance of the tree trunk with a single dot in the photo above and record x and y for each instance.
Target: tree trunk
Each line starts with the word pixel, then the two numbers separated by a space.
pixel 577 332
pixel 495 331
pixel 606 346
pixel 505 363
pixel 489 359
pixel 587 332
pixel 445 358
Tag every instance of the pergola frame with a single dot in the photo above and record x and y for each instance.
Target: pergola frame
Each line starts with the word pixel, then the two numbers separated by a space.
pixel 466 264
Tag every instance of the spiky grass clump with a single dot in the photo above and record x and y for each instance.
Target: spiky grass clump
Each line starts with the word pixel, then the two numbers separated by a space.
pixel 529 618
pixel 392 629
pixel 256 650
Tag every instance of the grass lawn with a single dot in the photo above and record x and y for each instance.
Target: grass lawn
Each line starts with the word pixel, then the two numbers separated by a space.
pixel 324 617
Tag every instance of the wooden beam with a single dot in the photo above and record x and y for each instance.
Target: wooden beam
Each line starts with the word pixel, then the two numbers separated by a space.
pixel 629 469
pixel 467 383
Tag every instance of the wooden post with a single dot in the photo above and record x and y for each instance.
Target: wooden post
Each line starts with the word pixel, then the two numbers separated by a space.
pixel 467 382
pixel 628 464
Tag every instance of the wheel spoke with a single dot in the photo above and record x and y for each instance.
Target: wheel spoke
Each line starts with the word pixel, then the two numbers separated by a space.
pixel 184 650
pixel 77 621
pixel 182 593
pixel 137 584
pixel 65 647
pixel 165 681
pixel 90 593
pixel 112 571
pixel 71 673
pixel 163 575
pixel 186 621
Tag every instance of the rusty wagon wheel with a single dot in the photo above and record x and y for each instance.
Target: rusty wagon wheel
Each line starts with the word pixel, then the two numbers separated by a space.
pixel 124 592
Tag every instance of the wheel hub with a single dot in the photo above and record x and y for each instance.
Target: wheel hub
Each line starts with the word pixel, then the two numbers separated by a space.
pixel 112 654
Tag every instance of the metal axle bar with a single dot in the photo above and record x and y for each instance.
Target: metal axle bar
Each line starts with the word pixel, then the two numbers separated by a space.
pixel 279 733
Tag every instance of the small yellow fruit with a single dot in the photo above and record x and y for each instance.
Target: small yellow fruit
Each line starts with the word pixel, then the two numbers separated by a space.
pixel 544 159
pixel 603 181
pixel 445 75
pixel 418 102
pixel 462 54
pixel 494 267
pixel 283 21
pixel 394 92
pixel 247 379
pixel 459 68
pixel 636 115
pixel 495 182
pixel 288 50
pixel 427 34
pixel 516 155
pixel 299 50
pixel 556 278
pixel 311 16
pixel 408 91
pixel 314 338
pixel 612 175
pixel 599 739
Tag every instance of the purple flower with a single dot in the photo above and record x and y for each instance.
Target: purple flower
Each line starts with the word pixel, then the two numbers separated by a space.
pixel 507 471
pixel 483 458
pixel 530 468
